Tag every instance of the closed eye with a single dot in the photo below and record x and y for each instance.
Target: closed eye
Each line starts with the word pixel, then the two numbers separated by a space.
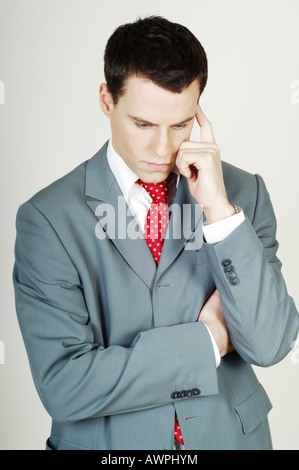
pixel 180 126
pixel 142 125
pixel 147 125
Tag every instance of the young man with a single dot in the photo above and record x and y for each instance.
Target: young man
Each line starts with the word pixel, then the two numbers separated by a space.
pixel 131 334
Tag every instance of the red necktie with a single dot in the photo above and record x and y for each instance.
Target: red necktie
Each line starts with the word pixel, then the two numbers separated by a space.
pixel 154 232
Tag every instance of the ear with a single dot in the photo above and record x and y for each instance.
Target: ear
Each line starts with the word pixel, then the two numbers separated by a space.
pixel 106 100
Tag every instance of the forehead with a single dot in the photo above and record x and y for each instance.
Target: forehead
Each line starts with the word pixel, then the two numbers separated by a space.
pixel 144 98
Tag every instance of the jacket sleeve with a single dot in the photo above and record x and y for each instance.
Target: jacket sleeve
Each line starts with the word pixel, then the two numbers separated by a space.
pixel 76 377
pixel 261 317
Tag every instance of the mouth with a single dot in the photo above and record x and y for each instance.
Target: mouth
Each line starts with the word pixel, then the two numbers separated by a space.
pixel 158 166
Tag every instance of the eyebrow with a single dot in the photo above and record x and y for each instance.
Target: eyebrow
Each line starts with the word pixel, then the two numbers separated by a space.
pixel 144 121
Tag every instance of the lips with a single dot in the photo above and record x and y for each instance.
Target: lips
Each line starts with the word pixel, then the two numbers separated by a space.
pixel 158 166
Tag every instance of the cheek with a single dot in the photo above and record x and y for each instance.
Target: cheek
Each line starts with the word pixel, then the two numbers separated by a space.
pixel 179 138
pixel 135 145
pixel 187 134
pixel 137 139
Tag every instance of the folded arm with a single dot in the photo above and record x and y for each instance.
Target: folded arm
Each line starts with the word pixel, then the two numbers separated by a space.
pixel 75 375
pixel 260 315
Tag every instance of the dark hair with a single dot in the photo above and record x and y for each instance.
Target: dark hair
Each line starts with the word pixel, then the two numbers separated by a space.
pixel 166 53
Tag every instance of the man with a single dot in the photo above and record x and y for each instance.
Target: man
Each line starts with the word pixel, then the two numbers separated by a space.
pixel 132 346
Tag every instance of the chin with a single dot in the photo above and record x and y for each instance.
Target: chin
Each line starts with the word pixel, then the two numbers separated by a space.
pixel 155 177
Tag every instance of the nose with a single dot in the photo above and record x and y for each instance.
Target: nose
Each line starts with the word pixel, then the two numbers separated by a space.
pixel 163 144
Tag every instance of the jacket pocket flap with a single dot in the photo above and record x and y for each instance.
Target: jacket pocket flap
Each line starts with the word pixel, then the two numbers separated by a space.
pixel 253 410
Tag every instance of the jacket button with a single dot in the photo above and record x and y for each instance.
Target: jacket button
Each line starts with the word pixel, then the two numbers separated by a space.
pixel 228 269
pixel 189 393
pixel 226 262
pixel 183 394
pixel 195 392
pixel 230 275
pixel 174 395
pixel 234 282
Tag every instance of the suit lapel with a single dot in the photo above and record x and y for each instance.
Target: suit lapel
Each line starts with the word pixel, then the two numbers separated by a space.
pixel 105 199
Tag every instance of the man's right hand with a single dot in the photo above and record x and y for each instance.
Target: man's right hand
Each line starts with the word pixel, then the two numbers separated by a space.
pixel 213 316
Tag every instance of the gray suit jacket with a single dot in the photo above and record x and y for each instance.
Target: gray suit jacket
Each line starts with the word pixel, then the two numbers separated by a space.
pixel 113 342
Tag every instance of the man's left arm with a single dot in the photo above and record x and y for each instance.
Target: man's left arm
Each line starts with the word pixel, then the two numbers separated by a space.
pixel 260 315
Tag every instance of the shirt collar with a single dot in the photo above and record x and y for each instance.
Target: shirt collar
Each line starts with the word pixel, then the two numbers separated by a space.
pixel 123 174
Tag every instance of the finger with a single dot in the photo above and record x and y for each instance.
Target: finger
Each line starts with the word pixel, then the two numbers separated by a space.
pixel 186 170
pixel 189 163
pixel 202 159
pixel 207 134
pixel 184 167
pixel 197 146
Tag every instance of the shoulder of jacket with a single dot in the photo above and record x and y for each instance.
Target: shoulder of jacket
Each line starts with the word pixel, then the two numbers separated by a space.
pixel 62 190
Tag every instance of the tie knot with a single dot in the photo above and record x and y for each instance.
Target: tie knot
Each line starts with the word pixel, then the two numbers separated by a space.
pixel 157 191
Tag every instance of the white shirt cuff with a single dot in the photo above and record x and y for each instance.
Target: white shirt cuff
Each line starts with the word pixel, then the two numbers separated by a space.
pixel 215 347
pixel 218 231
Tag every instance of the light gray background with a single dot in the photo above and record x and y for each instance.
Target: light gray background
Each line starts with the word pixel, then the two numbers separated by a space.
pixel 51 62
